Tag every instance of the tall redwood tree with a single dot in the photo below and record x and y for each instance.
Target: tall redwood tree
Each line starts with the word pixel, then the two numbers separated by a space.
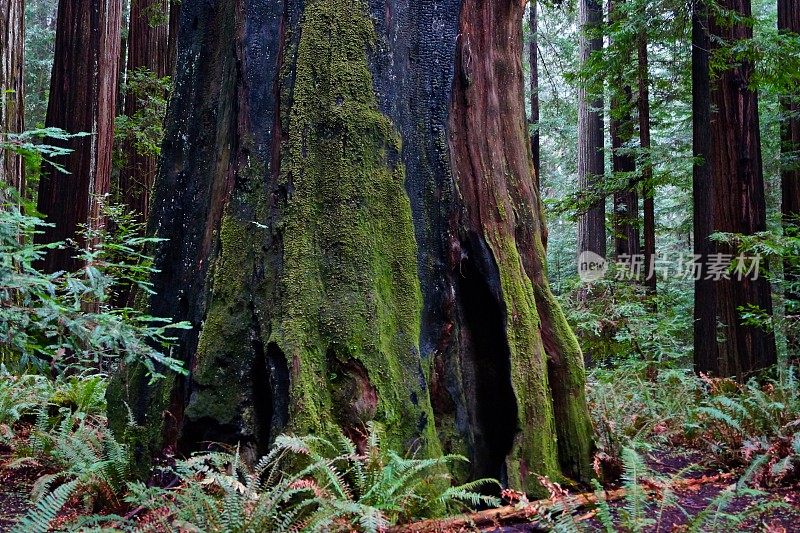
pixel 591 161
pixel 147 52
pixel 354 232
pixel 789 22
pixel 645 143
pixel 12 108
pixel 622 129
pixel 83 91
pixel 729 197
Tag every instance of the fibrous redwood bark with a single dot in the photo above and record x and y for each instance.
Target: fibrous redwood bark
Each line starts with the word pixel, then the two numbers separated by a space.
pixel 83 93
pixel 354 231
pixel 12 109
pixel 533 59
pixel 591 164
pixel 147 50
pixel 648 188
pixel 789 22
pixel 623 162
pixel 172 40
pixel 729 197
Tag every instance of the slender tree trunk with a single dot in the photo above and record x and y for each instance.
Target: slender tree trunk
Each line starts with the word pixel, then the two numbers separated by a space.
pixel 340 263
pixel 123 56
pixel 147 50
pixel 83 94
pixel 732 200
pixel 648 190
pixel 789 21
pixel 626 201
pixel 12 104
pixel 591 166
pixel 533 57
pixel 623 163
pixel 172 32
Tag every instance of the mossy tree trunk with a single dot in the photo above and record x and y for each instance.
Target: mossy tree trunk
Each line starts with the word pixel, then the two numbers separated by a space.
pixel 354 231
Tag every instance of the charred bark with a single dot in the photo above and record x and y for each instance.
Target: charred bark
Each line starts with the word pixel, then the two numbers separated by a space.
pixel 12 105
pixel 729 197
pixel 591 165
pixel 147 51
pixel 83 93
pixel 350 185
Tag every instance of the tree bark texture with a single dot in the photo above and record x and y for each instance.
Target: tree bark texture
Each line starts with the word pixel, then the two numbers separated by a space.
pixel 623 162
pixel 12 104
pixel 626 200
pixel 147 49
pixel 83 93
pixel 789 21
pixel 172 43
pixel 645 143
pixel 533 58
pixel 591 166
pixel 729 197
pixel 354 231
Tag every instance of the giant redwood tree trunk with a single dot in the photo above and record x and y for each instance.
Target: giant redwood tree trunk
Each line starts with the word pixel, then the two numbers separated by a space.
pixel 147 50
pixel 591 163
pixel 12 105
pixel 354 232
pixel 729 197
pixel 83 91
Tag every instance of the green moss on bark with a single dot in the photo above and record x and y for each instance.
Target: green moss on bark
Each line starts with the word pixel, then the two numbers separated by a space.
pixel 349 289
pixel 535 448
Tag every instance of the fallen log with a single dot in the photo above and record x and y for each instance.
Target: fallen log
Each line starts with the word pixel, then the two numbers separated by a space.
pixel 533 512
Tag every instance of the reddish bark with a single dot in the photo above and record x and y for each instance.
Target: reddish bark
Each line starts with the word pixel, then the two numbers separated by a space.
pixel 623 163
pixel 591 166
pixel 789 21
pixel 12 109
pixel 626 201
pixel 147 49
pixel 533 58
pixel 82 99
pixel 172 41
pixel 732 200
pixel 648 190
pixel 507 380
pixel 492 165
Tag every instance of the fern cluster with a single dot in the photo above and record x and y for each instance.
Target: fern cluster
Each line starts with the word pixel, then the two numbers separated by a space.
pixel 82 458
pixel 308 484
pixel 756 423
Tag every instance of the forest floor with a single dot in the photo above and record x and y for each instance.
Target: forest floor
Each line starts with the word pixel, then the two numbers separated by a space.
pixel 696 493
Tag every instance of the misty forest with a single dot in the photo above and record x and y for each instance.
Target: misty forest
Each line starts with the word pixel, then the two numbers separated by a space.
pixel 406 266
